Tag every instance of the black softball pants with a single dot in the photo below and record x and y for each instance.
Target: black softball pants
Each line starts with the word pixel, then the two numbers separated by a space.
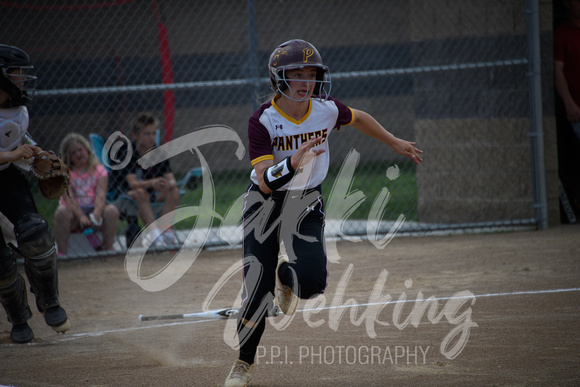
pixel 295 218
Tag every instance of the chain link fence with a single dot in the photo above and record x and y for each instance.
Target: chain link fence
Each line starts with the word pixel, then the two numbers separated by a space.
pixel 450 75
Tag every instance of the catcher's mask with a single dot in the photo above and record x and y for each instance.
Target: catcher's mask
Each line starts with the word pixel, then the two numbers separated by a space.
pixel 297 54
pixel 14 79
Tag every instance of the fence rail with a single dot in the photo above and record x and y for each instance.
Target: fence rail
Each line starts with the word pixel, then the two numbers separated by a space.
pixel 451 75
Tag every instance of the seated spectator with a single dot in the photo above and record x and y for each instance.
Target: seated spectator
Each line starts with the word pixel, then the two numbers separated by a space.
pixel 145 186
pixel 85 206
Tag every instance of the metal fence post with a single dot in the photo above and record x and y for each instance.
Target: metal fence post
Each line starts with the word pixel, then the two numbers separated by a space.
pixel 536 124
pixel 253 50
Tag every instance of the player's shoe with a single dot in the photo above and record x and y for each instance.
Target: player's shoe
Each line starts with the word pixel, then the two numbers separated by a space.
pixel 21 333
pixel 56 318
pixel 286 299
pixel 240 374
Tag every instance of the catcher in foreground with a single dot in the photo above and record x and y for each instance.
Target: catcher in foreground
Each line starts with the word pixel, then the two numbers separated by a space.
pixel 33 235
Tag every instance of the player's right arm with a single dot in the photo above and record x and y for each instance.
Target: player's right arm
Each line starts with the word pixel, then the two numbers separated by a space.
pixel 260 169
pixel 25 151
pixel 302 157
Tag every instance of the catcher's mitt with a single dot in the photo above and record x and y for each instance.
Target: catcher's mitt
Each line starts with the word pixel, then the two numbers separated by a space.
pixel 52 173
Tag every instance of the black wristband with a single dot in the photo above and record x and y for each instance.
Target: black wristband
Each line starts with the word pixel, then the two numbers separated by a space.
pixel 278 175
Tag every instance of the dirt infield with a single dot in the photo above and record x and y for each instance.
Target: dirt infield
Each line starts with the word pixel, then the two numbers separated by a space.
pixel 507 313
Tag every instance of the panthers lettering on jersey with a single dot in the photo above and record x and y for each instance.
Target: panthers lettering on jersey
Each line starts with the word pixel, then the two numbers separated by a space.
pixel 293 142
pixel 273 135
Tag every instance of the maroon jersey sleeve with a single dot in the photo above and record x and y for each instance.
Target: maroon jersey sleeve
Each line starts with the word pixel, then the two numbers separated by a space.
pixel 260 143
pixel 345 114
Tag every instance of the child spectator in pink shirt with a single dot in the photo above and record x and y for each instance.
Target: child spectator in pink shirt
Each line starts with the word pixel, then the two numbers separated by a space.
pixel 86 207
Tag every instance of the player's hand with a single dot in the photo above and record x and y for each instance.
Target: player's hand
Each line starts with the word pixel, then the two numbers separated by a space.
pixel 25 151
pixel 306 153
pixel 408 149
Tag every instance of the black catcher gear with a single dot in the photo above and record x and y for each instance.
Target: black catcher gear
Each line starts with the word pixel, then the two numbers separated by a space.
pixel 36 244
pixel 34 236
pixel 13 296
pixel 12 288
pixel 14 80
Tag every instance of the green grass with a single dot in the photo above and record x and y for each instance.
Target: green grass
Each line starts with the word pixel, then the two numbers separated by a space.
pixel 369 179
pixel 45 206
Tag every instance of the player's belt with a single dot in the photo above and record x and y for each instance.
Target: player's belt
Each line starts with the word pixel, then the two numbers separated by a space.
pixel 280 195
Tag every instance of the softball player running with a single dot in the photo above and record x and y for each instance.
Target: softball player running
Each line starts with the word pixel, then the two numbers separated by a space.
pixel 289 152
pixel 34 236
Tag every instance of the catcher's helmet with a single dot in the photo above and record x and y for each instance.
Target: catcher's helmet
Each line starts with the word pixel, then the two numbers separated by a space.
pixel 18 85
pixel 296 54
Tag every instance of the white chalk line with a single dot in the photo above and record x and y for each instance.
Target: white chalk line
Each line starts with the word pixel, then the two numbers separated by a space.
pixel 444 298
pixel 76 336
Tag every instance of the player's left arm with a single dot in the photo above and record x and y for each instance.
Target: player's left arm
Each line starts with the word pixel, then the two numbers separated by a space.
pixel 365 123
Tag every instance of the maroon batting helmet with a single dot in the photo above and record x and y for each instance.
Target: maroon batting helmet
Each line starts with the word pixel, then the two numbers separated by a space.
pixel 296 54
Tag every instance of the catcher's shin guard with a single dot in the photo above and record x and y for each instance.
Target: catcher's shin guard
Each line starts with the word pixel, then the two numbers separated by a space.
pixel 42 274
pixel 12 289
pixel 36 244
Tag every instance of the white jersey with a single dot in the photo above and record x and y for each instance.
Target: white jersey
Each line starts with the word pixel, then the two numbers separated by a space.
pixel 273 135
pixel 13 127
